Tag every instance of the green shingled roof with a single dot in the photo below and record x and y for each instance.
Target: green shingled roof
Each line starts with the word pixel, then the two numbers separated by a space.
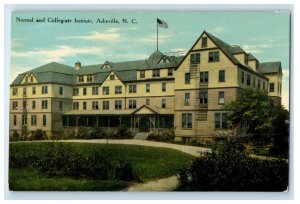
pixel 251 57
pixel 270 67
pixel 127 71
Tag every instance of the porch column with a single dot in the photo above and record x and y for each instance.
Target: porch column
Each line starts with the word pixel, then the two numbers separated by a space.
pixel 108 123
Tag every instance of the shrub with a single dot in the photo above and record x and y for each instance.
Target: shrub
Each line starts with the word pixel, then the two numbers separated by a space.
pixel 166 135
pixel 125 171
pixel 123 132
pixel 39 134
pixel 14 137
pixel 228 168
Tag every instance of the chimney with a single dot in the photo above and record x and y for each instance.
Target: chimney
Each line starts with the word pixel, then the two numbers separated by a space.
pixel 77 65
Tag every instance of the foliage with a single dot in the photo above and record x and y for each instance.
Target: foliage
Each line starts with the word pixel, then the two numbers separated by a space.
pixel 163 135
pixel 254 113
pixel 39 134
pixel 14 137
pixel 126 172
pixel 123 132
pixel 228 168
pixel 96 161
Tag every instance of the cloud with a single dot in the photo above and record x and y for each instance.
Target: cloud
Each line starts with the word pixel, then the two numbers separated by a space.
pixel 179 51
pixel 111 34
pixel 15 43
pixel 57 54
pixel 254 49
pixel 217 29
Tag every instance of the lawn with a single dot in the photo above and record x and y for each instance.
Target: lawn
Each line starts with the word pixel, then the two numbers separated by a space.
pixel 151 163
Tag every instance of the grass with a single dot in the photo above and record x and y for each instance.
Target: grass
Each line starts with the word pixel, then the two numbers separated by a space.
pixel 151 162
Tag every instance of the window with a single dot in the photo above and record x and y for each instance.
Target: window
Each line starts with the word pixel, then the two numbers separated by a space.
pixel 222 76
pixel 44 89
pixel 204 42
pixel 89 78
pixel 95 90
pixel 24 104
pixel 75 105
pixel 95 105
pixel 186 120
pixel 61 90
pixel 105 105
pixel 24 119
pixel 80 78
pixel 112 77
pixel 258 84
pixel 248 79
pixel 61 105
pixel 142 74
pixel 118 104
pixel 156 73
pixel 147 88
pixel 254 82
pixel 31 78
pixel 163 103
pixel 204 77
pixel 26 79
pixel 203 97
pixel 33 91
pixel 132 88
pixel 170 71
pixel 148 101
pixel 118 89
pixel 187 78
pixel 105 90
pixel 264 85
pixel 132 104
pixel 33 105
pixel 84 105
pixel 163 87
pixel 187 99
pixel 221 97
pixel 272 87
pixel 195 58
pixel 84 91
pixel 75 92
pixel 33 119
pixel 15 91
pixel 213 56
pixel 44 120
pixel 15 105
pixel 24 91
pixel 15 120
pixel 243 77
pixel 44 104
pixel 220 120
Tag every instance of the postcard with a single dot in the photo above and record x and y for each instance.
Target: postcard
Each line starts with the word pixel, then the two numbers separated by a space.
pixel 149 101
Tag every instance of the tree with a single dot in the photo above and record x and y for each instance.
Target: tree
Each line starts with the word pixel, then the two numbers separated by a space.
pixel 254 113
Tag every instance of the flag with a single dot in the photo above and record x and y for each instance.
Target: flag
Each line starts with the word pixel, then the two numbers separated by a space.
pixel 162 24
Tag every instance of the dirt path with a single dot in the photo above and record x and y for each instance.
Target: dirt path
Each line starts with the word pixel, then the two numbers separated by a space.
pixel 165 184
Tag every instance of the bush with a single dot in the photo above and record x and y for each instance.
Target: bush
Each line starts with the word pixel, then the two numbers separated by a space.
pixel 162 136
pixel 123 132
pixel 125 171
pixel 39 134
pixel 14 137
pixel 228 168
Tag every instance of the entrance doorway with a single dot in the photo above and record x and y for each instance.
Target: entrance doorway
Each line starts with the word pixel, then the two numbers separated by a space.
pixel 144 124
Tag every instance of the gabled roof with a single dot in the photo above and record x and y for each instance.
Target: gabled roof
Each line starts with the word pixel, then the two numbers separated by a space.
pixel 251 57
pixel 270 67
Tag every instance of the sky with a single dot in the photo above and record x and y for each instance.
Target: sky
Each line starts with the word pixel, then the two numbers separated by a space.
pixel 264 34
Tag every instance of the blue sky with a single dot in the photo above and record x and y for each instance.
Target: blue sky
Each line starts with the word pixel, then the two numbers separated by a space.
pixel 264 34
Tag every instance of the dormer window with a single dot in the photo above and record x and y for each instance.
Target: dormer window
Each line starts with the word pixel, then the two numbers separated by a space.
pixel 112 77
pixel 80 78
pixel 89 78
pixel 164 60
pixel 31 78
pixel 26 79
pixel 156 73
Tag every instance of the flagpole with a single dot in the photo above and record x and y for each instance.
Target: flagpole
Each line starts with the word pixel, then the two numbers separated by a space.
pixel 156 35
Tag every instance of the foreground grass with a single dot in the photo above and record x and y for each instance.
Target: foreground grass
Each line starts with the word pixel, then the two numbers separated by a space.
pixel 151 163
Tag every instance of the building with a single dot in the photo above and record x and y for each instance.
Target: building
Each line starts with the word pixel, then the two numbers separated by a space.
pixel 186 93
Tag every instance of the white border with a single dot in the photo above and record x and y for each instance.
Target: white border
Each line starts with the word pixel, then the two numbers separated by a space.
pixel 135 196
